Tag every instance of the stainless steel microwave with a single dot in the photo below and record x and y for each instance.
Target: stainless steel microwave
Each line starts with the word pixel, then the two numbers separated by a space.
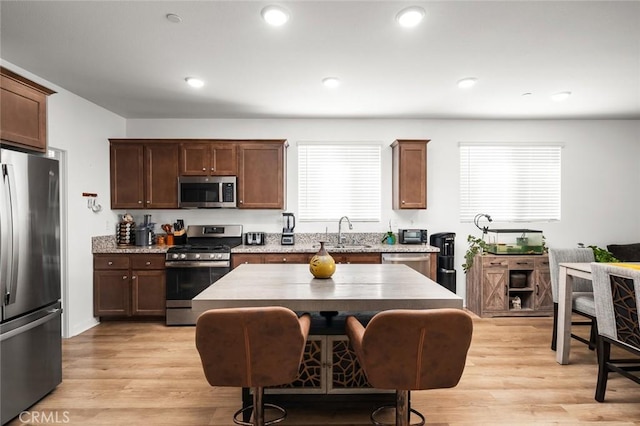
pixel 207 192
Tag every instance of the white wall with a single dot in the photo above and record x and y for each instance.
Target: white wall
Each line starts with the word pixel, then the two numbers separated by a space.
pixel 81 129
pixel 600 173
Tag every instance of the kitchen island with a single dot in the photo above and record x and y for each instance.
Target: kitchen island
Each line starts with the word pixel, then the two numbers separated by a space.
pixel 353 287
pixel 330 371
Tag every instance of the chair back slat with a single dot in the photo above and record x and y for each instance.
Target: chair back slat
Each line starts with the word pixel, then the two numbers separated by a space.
pixel 616 292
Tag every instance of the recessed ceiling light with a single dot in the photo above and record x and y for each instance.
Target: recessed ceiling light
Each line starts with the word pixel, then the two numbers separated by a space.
pixel 561 96
pixel 172 17
pixel 275 15
pixel 410 17
pixel 466 83
pixel 194 82
pixel 331 82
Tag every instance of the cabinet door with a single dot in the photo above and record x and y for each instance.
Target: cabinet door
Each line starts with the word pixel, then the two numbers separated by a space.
pixel 261 175
pixel 111 293
pixel 161 176
pixel 195 159
pixel 224 159
pixel 127 176
pixel 410 175
pixel 148 292
pixel 494 289
pixel 23 112
pixel 543 296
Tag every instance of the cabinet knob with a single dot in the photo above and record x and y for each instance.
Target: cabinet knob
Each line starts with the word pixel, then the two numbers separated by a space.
pixel 133 277
pixel 124 277
pixel 240 201
pixel 139 201
pixel 213 169
pixel 284 259
pixel 402 201
pixel 148 263
pixel 204 169
pixel 148 202
pixel 109 263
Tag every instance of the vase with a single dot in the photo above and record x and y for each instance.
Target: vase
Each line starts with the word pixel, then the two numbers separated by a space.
pixel 322 264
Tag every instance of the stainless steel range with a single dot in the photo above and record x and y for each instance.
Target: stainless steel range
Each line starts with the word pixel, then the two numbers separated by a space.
pixel 193 267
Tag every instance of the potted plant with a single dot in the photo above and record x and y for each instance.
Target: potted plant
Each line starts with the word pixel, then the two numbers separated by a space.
pixel 476 245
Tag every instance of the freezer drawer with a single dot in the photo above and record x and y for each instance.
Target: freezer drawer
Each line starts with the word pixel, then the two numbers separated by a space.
pixel 31 362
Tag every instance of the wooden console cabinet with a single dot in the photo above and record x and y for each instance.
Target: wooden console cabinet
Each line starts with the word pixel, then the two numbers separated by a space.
pixel 129 285
pixel 23 112
pixel 409 174
pixel 495 283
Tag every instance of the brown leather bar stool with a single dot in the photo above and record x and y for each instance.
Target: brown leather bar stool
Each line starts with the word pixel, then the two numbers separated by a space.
pixel 410 350
pixel 253 348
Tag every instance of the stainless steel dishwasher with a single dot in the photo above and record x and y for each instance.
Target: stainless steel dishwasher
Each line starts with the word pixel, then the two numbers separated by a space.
pixel 421 262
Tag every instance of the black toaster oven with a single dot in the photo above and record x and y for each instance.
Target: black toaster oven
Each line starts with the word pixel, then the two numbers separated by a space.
pixel 412 236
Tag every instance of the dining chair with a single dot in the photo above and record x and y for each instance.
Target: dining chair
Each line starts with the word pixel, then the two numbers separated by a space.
pixel 409 350
pixel 617 295
pixel 582 297
pixel 252 348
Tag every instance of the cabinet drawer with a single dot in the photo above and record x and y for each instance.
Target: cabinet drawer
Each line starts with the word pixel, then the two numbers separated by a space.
pixel 521 263
pixel 494 262
pixel 146 261
pixel 114 261
pixel 542 262
pixel 286 258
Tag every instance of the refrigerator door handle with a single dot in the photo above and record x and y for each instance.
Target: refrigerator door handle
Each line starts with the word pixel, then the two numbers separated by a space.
pixel 33 324
pixel 11 241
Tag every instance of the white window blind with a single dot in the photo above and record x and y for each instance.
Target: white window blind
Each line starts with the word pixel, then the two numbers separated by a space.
pixel 510 182
pixel 338 179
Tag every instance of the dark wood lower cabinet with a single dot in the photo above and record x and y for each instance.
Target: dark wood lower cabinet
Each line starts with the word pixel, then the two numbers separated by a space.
pixel 129 285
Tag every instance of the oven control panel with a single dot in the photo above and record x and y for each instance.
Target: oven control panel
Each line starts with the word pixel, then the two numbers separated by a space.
pixel 198 256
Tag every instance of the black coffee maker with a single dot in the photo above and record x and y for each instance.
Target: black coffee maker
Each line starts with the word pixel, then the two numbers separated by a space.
pixel 288 223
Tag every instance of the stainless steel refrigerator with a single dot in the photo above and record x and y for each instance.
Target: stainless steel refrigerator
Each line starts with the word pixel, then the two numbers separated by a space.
pixel 30 327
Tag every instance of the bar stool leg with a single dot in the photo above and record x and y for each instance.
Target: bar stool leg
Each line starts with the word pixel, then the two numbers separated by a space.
pixel 402 408
pixel 258 407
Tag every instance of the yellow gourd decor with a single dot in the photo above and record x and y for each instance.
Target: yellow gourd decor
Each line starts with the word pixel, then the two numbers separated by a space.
pixel 322 264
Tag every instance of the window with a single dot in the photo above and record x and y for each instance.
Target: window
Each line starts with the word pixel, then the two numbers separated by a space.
pixel 511 182
pixel 338 179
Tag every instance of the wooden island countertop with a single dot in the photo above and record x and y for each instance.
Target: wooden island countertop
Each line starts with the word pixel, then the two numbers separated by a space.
pixel 353 287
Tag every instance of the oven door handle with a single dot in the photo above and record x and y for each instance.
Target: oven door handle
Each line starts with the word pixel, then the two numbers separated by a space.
pixel 207 264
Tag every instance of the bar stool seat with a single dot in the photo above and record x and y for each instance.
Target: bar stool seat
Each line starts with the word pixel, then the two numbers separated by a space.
pixel 410 350
pixel 253 348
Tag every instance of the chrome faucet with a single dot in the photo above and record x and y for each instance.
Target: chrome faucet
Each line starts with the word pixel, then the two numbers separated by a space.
pixel 340 237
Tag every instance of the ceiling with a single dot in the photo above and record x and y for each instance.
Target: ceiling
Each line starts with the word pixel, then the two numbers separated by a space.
pixel 127 57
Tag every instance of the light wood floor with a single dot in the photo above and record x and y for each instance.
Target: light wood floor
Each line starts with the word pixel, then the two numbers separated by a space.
pixel 149 374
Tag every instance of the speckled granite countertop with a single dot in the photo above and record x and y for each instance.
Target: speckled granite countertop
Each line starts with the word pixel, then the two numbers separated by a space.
pixel 305 243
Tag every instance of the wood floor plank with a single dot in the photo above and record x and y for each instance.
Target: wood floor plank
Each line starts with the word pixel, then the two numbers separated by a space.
pixel 121 373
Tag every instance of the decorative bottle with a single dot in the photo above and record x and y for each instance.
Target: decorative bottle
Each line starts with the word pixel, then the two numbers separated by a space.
pixel 322 264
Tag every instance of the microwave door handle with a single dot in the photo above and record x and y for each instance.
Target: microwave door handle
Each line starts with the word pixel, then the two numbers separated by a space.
pixel 11 240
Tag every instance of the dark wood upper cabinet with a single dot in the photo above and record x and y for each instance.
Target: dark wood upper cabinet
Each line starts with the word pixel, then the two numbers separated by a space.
pixel 144 175
pixel 23 112
pixel 409 174
pixel 208 159
pixel 262 174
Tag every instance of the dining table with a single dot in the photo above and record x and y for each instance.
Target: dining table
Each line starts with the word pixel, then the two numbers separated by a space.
pixel 567 271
